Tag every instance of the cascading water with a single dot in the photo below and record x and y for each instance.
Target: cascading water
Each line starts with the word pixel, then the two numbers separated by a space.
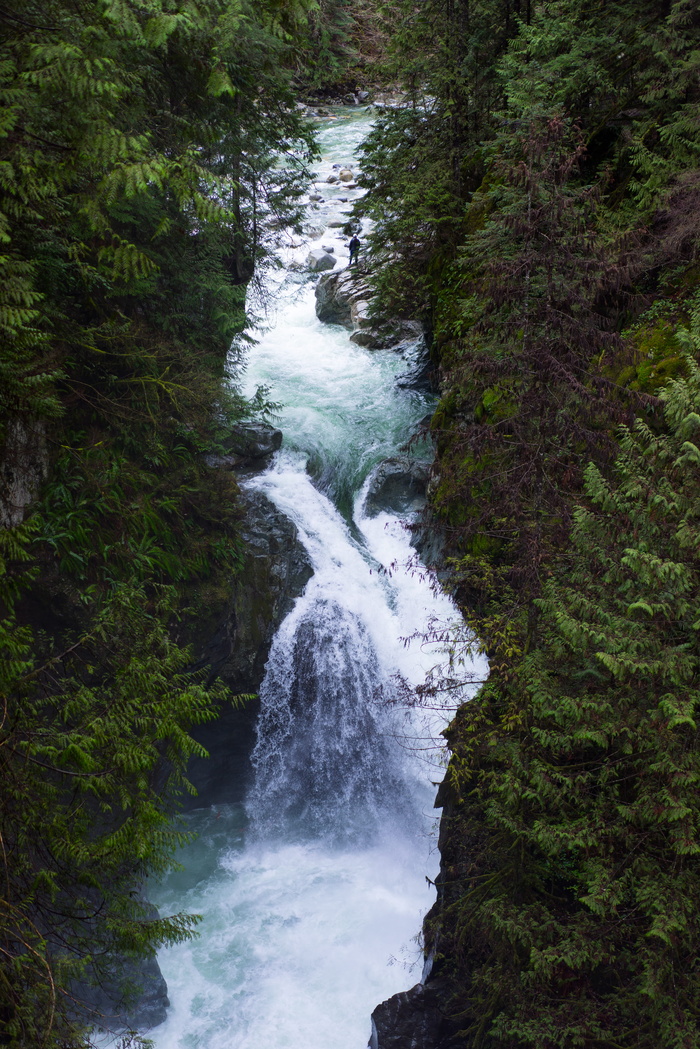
pixel 311 891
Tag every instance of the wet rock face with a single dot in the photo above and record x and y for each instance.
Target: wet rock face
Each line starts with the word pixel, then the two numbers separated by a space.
pixel 318 260
pixel 236 644
pixel 335 294
pixel 420 376
pixel 120 992
pixel 386 334
pixel 346 298
pixel 131 995
pixel 411 1020
pixel 397 486
pixel 254 440
pixel 249 447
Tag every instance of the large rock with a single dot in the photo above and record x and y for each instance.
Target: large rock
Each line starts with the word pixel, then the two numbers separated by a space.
pixel 318 260
pixel 411 1020
pixel 129 994
pixel 386 334
pixel 397 486
pixel 360 310
pixel 336 293
pixel 276 568
pixel 252 440
pixel 234 643
pixel 120 992
pixel 346 298
pixel 420 374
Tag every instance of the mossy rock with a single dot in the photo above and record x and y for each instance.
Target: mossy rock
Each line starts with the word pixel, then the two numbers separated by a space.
pixel 657 357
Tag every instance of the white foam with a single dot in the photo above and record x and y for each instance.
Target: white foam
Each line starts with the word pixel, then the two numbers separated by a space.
pixel 302 938
pixel 296 949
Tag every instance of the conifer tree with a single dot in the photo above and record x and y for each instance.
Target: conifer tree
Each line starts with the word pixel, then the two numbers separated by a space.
pixel 527 398
pixel 575 899
pixel 140 180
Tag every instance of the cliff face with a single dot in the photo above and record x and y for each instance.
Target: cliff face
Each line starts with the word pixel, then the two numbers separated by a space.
pixel 234 642
pixel 24 465
pixel 425 1017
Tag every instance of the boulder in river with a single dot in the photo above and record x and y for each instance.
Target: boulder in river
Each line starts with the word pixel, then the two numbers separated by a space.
pixel 314 227
pixel 318 260
pixel 397 486
pixel 335 295
pixel 249 445
pixel 254 440
pixel 346 175
pixel 386 334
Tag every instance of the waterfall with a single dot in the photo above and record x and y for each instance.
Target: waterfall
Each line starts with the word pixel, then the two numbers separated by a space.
pixel 324 765
pixel 313 891
pixel 326 761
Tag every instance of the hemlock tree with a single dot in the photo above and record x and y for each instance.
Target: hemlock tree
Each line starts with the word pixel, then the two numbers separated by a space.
pixel 147 149
pixel 93 749
pixel 423 161
pixel 575 900
pixel 526 401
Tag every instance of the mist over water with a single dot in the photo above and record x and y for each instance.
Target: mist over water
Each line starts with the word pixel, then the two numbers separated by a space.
pixel 312 891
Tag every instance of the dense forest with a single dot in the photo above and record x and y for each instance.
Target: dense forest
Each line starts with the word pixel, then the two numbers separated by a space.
pixel 538 201
pixel 137 203
pixel 536 204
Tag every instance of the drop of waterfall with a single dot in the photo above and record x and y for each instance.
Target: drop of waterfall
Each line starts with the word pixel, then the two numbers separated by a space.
pixel 326 763
pixel 312 894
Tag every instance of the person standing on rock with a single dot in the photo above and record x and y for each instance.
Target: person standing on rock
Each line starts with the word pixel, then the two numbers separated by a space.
pixel 354 246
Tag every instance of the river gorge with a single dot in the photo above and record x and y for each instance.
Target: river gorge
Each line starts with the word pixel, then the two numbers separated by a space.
pixel 312 886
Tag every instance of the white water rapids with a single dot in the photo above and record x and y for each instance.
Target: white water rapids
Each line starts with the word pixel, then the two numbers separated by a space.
pixel 312 893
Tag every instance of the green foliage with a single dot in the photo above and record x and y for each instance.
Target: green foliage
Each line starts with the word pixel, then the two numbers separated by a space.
pixel 148 150
pixel 574 784
pixel 512 199
pixel 329 49
pixel 93 750
pixel 528 397
pixel 343 45
pixel 423 161
pixel 135 162
pixel 532 202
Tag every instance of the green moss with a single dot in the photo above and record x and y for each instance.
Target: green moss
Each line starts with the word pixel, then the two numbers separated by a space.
pixel 495 405
pixel 655 351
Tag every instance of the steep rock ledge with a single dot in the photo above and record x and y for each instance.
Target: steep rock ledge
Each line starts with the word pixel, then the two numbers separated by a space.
pixel 234 642
pixel 412 1019
pixel 345 298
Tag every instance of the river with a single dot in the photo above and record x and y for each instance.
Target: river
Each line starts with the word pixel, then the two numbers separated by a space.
pixel 313 890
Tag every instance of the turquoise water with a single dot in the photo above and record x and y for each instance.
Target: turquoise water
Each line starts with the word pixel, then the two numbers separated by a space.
pixel 313 891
